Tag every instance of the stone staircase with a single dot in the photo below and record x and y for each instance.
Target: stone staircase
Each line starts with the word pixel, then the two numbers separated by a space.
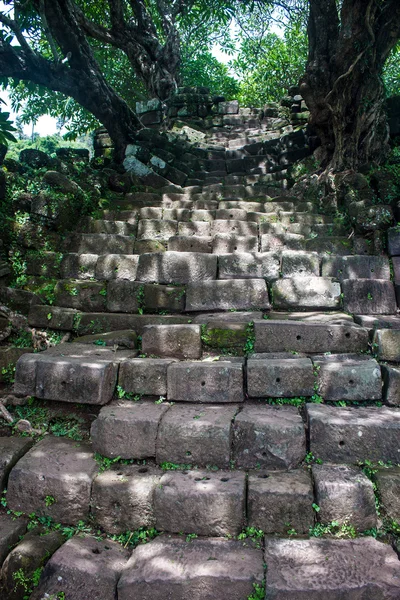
pixel 239 354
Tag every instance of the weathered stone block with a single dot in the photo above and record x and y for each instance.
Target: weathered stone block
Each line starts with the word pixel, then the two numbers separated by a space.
pixel 239 228
pixel 305 293
pixel 269 437
pixel 356 267
pixel 10 531
pixel 11 450
pixel 114 227
pixel 344 494
pixel 156 229
pixel 287 241
pixel 127 429
pixel 31 553
pixel 195 228
pixel 300 264
pixel 394 241
pixel 204 502
pixel 220 381
pixel 8 358
pixel 52 316
pixel 100 243
pixel 124 296
pixel 228 294
pixel 278 378
pixel 180 243
pixel 369 296
pixel 391 385
pixel 83 568
pixel 263 265
pixel 225 334
pixel 354 434
pixel 163 297
pixel 82 374
pixel 44 264
pixel 348 378
pixel 341 246
pixel 197 435
pixel 297 336
pixel 175 341
pixel 57 469
pixel 122 498
pixel 388 482
pixel 88 296
pixel 215 567
pixel 78 266
pixel 279 502
pixel 144 376
pixel 227 243
pixel 386 344
pixel 117 266
pixel 177 267
pixel 147 246
pixel 231 214
pixel 120 339
pixel 351 569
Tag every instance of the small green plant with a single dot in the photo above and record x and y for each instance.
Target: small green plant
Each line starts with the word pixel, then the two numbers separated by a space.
pixel 191 536
pixel 8 374
pixel 123 394
pixel 369 296
pixel 168 466
pixel 140 299
pixel 49 501
pixel 309 459
pixel 131 539
pixel 248 347
pixel 258 593
pixel 28 583
pixel 252 533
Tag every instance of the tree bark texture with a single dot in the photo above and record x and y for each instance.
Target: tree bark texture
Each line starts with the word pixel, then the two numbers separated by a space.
pixel 343 82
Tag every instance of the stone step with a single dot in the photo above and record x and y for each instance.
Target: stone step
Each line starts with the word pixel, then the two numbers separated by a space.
pixel 348 377
pixel 99 243
pixel 346 569
pixel 306 293
pixel 369 296
pixel 349 435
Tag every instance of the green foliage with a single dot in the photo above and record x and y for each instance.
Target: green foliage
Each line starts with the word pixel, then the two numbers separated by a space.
pixel 26 582
pixel 168 466
pixel 8 374
pixel 206 70
pixel 131 539
pixel 258 593
pixel 334 528
pixel 6 129
pixel 250 339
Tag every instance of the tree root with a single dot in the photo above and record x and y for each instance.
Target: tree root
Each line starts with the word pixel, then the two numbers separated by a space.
pixel 17 322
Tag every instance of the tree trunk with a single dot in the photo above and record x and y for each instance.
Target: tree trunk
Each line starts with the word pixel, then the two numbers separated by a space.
pixel 343 83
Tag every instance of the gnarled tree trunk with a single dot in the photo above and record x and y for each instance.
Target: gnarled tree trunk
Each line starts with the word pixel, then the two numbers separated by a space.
pixel 343 83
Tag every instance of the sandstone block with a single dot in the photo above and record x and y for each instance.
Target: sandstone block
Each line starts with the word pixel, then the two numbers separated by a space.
pixel 78 266
pixel 394 241
pixel 386 344
pixel 220 381
pixel 230 243
pixel 191 243
pixel 123 296
pixel 156 229
pixel 305 293
pixel 239 294
pixel 217 568
pixel 127 429
pixel 297 336
pixel 117 266
pixel 197 435
pixel 54 479
pixel 204 502
pixel 344 494
pixel 52 316
pixel 388 482
pixel 300 264
pixel 10 531
pixel 88 296
pixel 147 246
pixel 100 243
pixel 11 450
pixel 88 376
pixel 83 568
pixel 369 296
pixel 233 227
pixel 194 228
pixel 391 385
pixel 356 267
pixel 278 378
pixel 122 498
pixel 279 502
pixel 269 437
pixel 31 553
pixel 122 339
pixel 175 341
pixel 286 241
pixel 163 297
pixel 348 434
pixel 145 376
pixel 351 569
pixel 348 378
pixel 177 267
pixel 245 265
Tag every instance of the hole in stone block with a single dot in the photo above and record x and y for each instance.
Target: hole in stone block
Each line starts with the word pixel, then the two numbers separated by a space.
pixel 351 381
pixel 278 379
pixel 203 383
pixel 341 443
pixel 224 479
pixel 347 335
pixel 265 476
pixel 143 470
pixel 95 551
pixel 202 479
pixel 188 453
pixel 298 337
